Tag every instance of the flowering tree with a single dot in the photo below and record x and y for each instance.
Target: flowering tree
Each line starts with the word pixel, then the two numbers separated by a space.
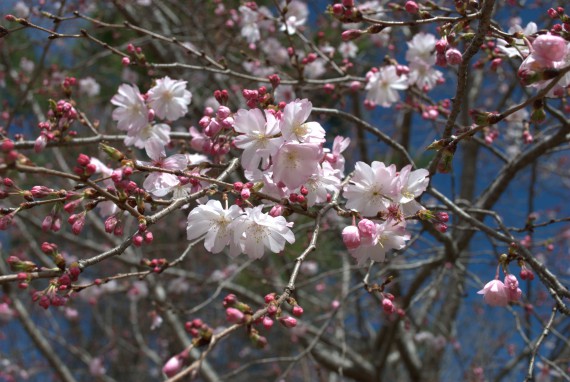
pixel 179 176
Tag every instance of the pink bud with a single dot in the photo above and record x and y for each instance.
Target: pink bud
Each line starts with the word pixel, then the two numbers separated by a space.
pixel 297 311
pixel 351 237
pixel 245 193
pixel 137 240
pixel 40 143
pixel 126 61
pixel 351 34
pixel 288 322
pixel 234 315
pixel 412 7
pixel 442 217
pixel 172 366
pixel 441 45
pixel 83 160
pixel 388 306
pixel 495 293
pixel 267 322
pixel 453 56
pixel 276 210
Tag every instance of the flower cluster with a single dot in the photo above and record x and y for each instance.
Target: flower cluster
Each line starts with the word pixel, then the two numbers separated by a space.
pixel 247 231
pixel 135 112
pixel 383 84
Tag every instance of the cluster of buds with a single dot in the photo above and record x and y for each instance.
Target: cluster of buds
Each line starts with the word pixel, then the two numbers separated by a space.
pixel 212 139
pixel 389 307
pixel 145 236
pixel 562 29
pixel 67 85
pixel 61 115
pixel 157 265
pixel 497 293
pixel 114 224
pixel 84 168
pixel 445 54
pixel 135 55
pixel 491 134
pixel 346 12
pixel 274 312
pixel 7 147
pixel 300 197
pixel 49 296
pixel 243 191
pixel 261 97
pixel 200 332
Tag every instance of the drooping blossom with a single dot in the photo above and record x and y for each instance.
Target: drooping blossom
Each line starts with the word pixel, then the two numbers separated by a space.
pixel 131 113
pixel 383 86
pixel 495 293
pixel 214 221
pixel 335 157
pixel 254 231
pixel 423 75
pixel 169 98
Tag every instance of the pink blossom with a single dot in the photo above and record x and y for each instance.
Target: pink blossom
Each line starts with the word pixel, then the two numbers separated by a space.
pixel 131 113
pixel 255 230
pixel 372 188
pixel 293 123
pixel 169 98
pixel 549 48
pixel 495 293
pixel 214 222
pixel 258 137
pixel 295 163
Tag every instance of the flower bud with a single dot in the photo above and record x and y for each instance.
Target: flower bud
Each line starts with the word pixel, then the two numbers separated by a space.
pixel 351 237
pixel 453 57
pixel 172 366
pixel 412 7
pixel 235 316
pixel 288 322
pixel 351 34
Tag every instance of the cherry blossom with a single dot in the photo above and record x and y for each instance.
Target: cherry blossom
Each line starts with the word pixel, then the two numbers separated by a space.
pixel 255 231
pixel 258 137
pixel 131 113
pixel 293 123
pixel 215 222
pixel 169 98
pixel 495 293
pixel 161 183
pixel 295 163
pixel 383 86
pixel 372 188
